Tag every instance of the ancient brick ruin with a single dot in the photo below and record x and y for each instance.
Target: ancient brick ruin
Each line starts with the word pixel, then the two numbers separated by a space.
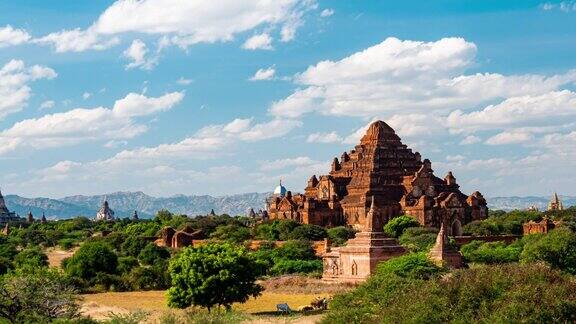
pixel 384 168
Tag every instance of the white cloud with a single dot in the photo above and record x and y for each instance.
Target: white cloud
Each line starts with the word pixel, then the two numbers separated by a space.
pixel 455 158
pixel 48 104
pixel 15 78
pixel 565 6
pixel 398 76
pixel 183 81
pixel 80 125
pixel 284 163
pixel 264 74
pixel 77 40
pixel 529 110
pixel 509 138
pixel 262 41
pixel 137 53
pixel 10 36
pixel 470 139
pixel 183 22
pixel 86 95
pixel 331 137
pixel 327 12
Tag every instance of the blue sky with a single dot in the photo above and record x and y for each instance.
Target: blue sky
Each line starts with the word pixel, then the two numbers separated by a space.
pixel 204 97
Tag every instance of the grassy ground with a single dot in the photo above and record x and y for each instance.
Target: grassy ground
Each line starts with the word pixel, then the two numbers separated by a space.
pixel 56 255
pixel 297 291
pixel 156 301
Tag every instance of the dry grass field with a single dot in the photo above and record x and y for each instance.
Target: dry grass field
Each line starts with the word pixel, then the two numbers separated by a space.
pixel 56 255
pixel 294 290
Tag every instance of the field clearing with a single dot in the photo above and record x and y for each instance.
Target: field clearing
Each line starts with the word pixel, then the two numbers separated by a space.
pixel 56 255
pixel 153 301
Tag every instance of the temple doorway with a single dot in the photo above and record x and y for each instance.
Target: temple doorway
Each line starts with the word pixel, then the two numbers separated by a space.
pixel 456 228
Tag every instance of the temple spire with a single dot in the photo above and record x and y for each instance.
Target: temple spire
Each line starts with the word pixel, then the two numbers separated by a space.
pixel 373 223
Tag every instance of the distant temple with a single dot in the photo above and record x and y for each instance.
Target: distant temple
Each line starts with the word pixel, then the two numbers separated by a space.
pixel 384 168
pixel 555 203
pixel 7 216
pixel 105 213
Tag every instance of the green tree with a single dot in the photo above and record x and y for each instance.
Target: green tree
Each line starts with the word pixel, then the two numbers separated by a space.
pixel 492 252
pixel 396 226
pixel 413 265
pixel 296 250
pixel 133 245
pixel 31 257
pixel 339 235
pixel 418 239
pixel 557 248
pixel 153 253
pixel 213 274
pixel 37 295
pixel 90 259
pixel 232 233
pixel 308 232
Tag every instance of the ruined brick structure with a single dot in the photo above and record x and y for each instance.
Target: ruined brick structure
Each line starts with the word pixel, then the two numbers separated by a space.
pixel 542 227
pixel 384 168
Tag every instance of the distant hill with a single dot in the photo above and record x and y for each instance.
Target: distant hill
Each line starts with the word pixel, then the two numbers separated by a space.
pixel 124 204
pixel 511 203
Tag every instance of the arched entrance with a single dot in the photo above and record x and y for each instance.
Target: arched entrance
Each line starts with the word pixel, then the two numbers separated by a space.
pixel 456 228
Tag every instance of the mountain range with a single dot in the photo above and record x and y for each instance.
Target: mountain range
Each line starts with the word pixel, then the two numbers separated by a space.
pixel 125 203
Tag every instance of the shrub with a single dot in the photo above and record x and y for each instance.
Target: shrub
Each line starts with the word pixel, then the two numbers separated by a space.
pixel 296 250
pixel 339 235
pixel 557 248
pixel 265 231
pixel 285 228
pixel 31 257
pixel 90 259
pixel 418 239
pixel 125 264
pixel 396 226
pixel 510 293
pixel 152 254
pixel 491 252
pixel 284 266
pixel 213 274
pixel 413 265
pixel 231 233
pixel 67 243
pixel 37 295
pixel 133 245
pixel 308 232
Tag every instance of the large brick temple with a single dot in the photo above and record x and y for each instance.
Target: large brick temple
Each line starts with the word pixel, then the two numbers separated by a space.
pixel 384 168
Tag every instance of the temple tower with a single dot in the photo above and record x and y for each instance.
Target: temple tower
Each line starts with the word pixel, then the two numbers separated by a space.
pixel 356 261
pixel 555 203
pixel 105 213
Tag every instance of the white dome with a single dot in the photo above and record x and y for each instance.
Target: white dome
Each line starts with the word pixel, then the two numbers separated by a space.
pixel 280 190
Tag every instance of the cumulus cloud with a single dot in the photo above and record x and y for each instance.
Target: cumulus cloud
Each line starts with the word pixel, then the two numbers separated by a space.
pixel 15 90
pixel 183 22
pixel 262 41
pixel 398 76
pixel 80 125
pixel 327 12
pixel 77 40
pixel 529 110
pixel 10 36
pixel 137 53
pixel 167 165
pixel 264 74
pixel 331 137
pixel 509 138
